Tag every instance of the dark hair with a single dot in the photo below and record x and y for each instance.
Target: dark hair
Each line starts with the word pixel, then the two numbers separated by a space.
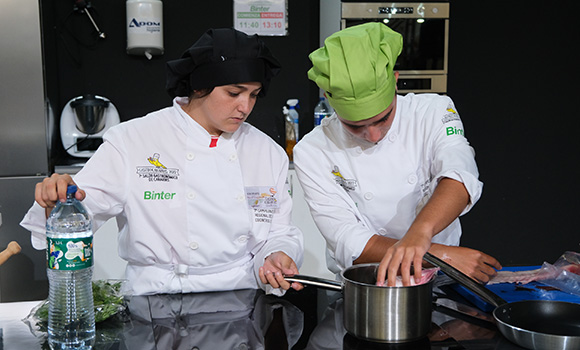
pixel 199 93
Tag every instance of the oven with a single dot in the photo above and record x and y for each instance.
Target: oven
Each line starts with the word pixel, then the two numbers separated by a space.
pixel 422 65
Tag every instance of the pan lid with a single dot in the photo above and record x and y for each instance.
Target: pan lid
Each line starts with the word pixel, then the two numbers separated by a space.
pixel 465 281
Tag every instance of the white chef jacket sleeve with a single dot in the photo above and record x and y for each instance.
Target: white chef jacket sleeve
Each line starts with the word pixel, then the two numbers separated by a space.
pixel 283 235
pixel 102 180
pixel 334 212
pixel 452 156
pixel 35 222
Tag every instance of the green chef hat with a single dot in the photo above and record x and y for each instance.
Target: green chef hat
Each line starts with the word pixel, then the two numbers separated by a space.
pixel 355 68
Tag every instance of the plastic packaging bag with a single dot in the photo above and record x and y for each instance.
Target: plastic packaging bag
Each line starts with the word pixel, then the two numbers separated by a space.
pixel 565 273
pixel 108 301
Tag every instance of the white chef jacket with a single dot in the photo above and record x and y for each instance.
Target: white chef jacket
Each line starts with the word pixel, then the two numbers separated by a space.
pixel 357 189
pixel 191 218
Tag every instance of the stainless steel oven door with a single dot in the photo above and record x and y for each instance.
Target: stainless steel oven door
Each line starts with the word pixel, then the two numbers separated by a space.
pixel 422 64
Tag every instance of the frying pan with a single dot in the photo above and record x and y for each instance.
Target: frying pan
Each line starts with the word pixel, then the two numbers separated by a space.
pixel 532 324
pixel 379 314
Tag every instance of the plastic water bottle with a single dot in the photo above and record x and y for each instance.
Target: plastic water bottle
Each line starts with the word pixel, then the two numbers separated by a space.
pixel 290 134
pixel 71 315
pixel 321 111
pixel 293 113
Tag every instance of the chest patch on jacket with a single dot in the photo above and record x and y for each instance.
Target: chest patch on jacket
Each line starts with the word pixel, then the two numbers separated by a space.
pixel 262 197
pixel 347 184
pixel 263 215
pixel 156 171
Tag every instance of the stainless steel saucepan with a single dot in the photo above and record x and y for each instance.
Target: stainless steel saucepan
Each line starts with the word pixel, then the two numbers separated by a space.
pixel 380 314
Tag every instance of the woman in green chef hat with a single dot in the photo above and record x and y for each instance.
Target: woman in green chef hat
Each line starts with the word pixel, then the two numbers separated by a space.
pixel 387 176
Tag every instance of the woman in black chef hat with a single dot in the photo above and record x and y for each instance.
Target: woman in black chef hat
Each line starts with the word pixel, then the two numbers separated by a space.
pixel 200 196
pixel 230 63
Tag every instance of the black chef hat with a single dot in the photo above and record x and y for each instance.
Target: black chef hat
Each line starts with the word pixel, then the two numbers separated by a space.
pixel 220 57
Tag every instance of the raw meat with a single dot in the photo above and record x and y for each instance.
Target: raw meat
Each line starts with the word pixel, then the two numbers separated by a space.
pixel 569 261
pixel 522 277
pixel 426 276
pixel 572 268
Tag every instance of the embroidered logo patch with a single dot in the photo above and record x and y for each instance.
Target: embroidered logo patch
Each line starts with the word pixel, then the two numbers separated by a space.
pixel 347 184
pixel 451 115
pixel 157 171
pixel 262 197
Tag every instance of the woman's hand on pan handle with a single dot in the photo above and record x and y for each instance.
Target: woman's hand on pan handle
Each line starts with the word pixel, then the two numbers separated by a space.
pixel 275 267
pixel 401 256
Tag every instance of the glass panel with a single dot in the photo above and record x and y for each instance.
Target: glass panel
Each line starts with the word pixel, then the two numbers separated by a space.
pixel 414 84
pixel 423 43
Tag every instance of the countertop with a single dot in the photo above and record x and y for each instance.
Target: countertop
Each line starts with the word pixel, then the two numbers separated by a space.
pixel 249 319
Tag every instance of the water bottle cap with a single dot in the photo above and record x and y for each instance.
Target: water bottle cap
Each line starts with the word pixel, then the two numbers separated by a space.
pixel 292 102
pixel 71 189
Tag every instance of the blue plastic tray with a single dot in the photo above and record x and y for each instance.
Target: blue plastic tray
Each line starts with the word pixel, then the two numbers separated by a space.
pixel 511 292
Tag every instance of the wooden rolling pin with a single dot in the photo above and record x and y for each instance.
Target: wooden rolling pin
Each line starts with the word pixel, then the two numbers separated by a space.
pixel 13 248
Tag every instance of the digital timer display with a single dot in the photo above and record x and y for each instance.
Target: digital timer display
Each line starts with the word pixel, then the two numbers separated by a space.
pixel 395 10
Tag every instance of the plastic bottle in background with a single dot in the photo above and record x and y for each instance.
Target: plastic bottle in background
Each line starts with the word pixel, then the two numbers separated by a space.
pixel 71 315
pixel 321 111
pixel 292 105
pixel 290 134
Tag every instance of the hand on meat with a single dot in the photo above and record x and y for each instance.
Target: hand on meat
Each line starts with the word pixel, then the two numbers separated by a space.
pixel 275 267
pixel 447 202
pixel 53 189
pixel 402 255
pixel 426 276
pixel 475 264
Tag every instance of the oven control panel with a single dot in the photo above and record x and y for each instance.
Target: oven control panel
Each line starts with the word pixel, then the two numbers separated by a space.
pixel 395 10
pixel 422 64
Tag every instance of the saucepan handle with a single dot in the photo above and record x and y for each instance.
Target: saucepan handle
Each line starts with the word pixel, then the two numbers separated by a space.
pixel 315 281
pixel 477 288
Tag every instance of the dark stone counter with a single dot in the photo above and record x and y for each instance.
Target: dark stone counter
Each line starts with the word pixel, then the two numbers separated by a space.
pixel 249 319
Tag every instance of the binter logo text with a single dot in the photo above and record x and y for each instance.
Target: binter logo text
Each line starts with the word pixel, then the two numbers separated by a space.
pixel 454 131
pixel 152 195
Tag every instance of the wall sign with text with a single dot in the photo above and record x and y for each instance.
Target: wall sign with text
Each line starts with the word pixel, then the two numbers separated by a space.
pixel 261 17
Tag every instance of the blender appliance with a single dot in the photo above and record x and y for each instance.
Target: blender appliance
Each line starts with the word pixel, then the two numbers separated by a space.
pixel 83 122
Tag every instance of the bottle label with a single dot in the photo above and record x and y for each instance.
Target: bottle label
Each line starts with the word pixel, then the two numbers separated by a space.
pixel 318 118
pixel 69 253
